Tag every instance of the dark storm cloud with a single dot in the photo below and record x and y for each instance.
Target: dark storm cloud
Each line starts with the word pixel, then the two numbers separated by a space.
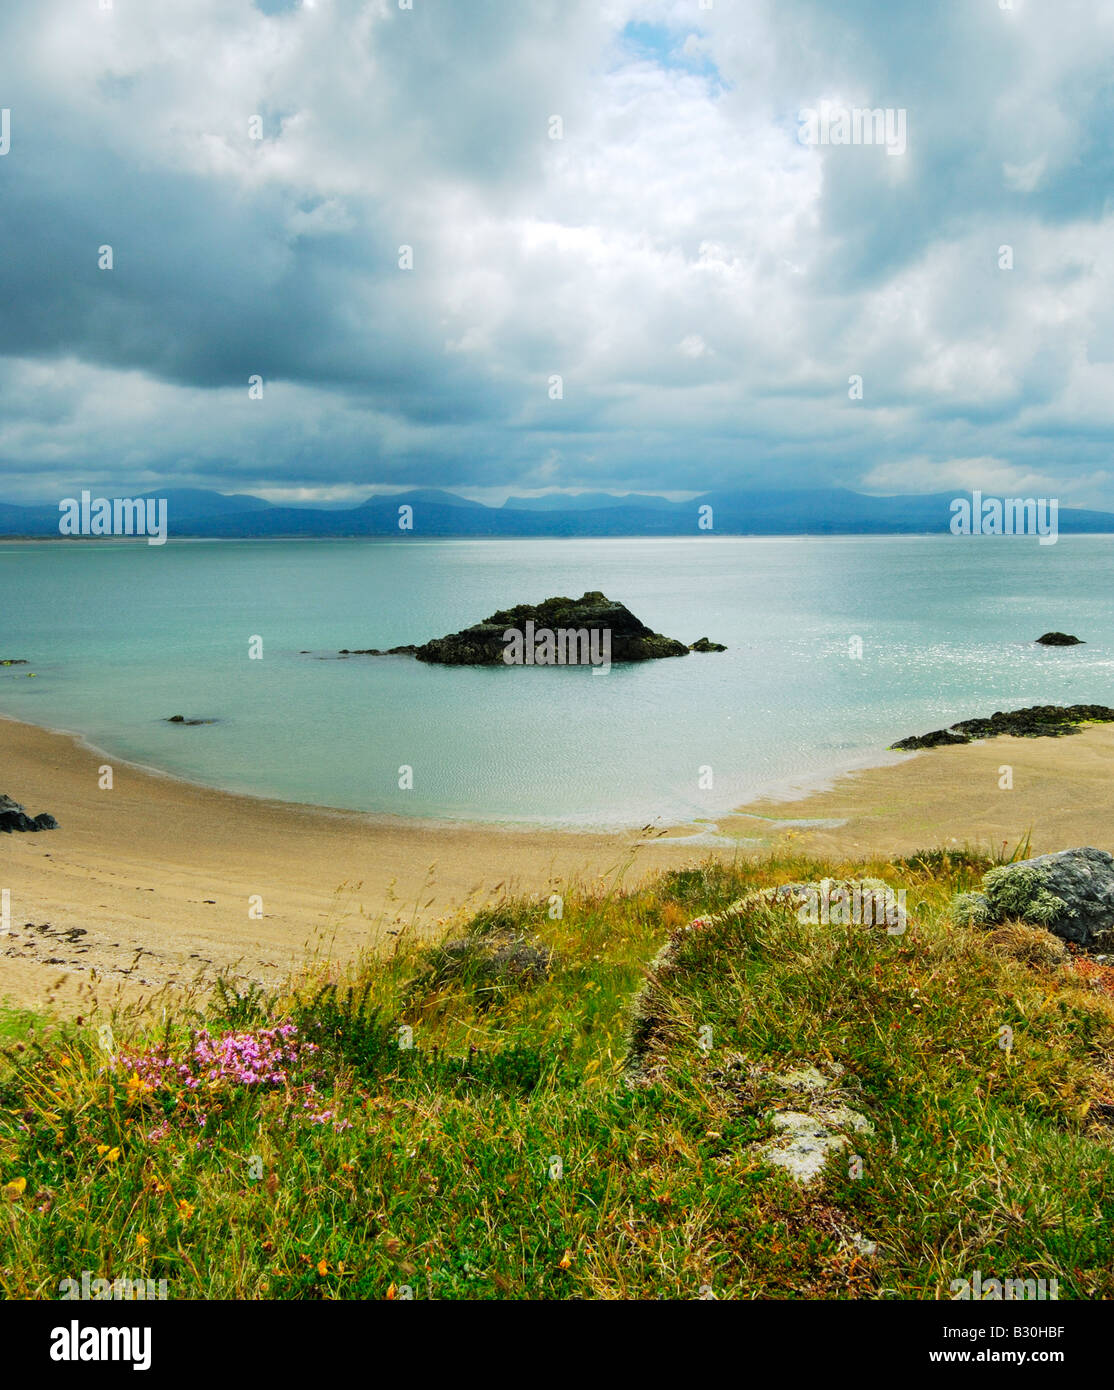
pixel 703 284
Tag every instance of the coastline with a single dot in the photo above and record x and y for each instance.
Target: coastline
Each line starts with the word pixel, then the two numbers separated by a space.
pixel 1061 791
pixel 150 884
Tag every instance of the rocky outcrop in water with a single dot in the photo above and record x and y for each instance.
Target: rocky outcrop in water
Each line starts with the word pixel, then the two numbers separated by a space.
pixel 484 643
pixel 375 651
pixel 1070 894
pixel 181 719
pixel 14 817
pixel 1036 721
pixel 1059 639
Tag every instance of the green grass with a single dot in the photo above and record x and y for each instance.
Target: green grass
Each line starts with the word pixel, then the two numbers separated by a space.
pixel 435 1168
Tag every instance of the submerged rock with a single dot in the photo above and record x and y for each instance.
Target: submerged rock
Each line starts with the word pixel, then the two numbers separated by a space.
pixel 14 817
pixel 543 624
pixel 1035 721
pixel 1060 639
pixel 1070 894
pixel 181 719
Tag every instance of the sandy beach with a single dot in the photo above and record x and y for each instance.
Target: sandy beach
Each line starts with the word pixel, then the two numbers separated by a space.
pixel 152 883
pixel 1061 790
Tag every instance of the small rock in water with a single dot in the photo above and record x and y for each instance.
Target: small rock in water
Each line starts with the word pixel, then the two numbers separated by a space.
pixel 181 719
pixel 1059 639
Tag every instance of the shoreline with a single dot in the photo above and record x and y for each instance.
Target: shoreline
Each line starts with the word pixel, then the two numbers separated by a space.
pixel 794 787
pixel 151 883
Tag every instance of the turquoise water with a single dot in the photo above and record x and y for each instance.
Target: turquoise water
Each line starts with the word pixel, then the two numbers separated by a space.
pixel 121 635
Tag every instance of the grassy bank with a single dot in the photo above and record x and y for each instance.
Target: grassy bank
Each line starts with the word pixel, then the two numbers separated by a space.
pixel 291 1147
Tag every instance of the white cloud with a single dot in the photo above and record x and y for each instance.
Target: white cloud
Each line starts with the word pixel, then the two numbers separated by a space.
pixel 678 257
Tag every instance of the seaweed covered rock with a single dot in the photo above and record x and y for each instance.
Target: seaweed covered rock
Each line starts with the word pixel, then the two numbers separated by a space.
pixel 1071 894
pixel 559 631
pixel 1035 721
pixel 14 817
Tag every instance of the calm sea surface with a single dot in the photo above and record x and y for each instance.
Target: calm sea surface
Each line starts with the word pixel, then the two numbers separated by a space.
pixel 120 635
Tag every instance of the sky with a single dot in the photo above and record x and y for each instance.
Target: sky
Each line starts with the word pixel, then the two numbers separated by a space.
pixel 619 194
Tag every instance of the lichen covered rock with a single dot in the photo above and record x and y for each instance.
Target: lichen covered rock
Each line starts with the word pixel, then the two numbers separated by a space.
pixel 1071 894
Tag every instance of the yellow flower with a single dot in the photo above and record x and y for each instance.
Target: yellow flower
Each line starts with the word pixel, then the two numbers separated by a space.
pixel 392 1293
pixel 102 1149
pixel 185 1211
pixel 16 1188
pixel 565 1262
pixel 112 1155
pixel 142 1241
pixel 322 1268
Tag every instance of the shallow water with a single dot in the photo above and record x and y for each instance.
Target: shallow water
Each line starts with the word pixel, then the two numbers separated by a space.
pixel 121 635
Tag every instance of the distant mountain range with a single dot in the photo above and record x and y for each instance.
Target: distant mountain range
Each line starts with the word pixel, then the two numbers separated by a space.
pixel 823 512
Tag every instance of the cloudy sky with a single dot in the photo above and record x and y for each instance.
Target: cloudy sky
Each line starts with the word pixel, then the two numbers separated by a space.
pixel 704 282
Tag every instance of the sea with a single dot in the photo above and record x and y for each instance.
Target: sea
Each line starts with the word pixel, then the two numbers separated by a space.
pixel 836 647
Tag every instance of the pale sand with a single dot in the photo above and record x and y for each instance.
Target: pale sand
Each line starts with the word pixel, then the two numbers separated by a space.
pixel 164 870
pixel 149 883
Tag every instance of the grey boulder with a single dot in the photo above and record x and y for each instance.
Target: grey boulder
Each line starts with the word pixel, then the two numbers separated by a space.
pixel 1070 893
